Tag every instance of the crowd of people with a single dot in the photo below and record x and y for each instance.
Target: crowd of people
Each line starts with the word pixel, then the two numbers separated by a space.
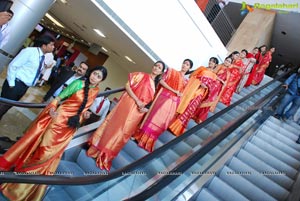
pixel 152 102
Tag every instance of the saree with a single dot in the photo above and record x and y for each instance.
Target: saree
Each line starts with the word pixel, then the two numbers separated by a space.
pixel 162 111
pixel 195 91
pixel 248 67
pixel 40 149
pixel 117 128
pixel 261 69
pixel 253 70
pixel 211 100
pixel 232 83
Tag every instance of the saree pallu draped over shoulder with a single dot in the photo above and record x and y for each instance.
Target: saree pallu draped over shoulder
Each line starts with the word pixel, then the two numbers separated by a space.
pixel 122 122
pixel 161 112
pixel 195 91
pixel 233 81
pixel 215 88
pixel 40 149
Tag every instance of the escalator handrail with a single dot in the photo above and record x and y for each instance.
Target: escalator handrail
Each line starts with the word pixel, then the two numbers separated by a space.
pixel 65 180
pixel 42 105
pixel 208 145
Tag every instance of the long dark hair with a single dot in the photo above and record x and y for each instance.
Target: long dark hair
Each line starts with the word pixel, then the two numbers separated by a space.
pixel 73 121
pixel 158 77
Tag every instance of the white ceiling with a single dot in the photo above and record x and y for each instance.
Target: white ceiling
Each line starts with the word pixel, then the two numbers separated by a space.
pixel 82 16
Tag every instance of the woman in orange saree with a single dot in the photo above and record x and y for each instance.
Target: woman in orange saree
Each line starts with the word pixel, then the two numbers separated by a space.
pixel 211 100
pixel 235 75
pixel 262 67
pixel 195 91
pixel 164 107
pixel 254 55
pixel 40 149
pixel 108 140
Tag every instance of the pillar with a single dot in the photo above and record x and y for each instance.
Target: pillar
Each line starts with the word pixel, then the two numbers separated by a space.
pixel 27 14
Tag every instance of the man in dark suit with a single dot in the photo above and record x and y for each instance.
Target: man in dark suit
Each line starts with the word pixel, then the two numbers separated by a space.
pixel 65 78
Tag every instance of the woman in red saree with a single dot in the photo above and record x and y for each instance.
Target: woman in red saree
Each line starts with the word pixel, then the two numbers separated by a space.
pixel 262 67
pixel 211 100
pixel 254 55
pixel 235 70
pixel 40 149
pixel 195 91
pixel 108 140
pixel 164 107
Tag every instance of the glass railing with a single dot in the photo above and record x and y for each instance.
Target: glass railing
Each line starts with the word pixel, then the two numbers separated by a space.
pixel 170 186
pixel 142 173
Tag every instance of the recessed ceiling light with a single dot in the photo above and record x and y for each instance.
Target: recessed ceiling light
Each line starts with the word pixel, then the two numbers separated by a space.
pixel 99 33
pixel 104 49
pixel 54 20
pixel 129 59
pixel 64 1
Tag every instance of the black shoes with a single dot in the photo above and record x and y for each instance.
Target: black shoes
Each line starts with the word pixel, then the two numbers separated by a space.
pixel 277 116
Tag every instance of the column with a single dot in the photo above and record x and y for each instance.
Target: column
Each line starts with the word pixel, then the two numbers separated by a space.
pixel 27 14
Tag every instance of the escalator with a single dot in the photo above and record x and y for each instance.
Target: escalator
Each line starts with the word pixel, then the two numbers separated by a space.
pixel 134 170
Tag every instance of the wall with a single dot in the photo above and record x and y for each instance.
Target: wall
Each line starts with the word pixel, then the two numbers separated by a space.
pixel 116 77
pixel 173 29
pixel 250 32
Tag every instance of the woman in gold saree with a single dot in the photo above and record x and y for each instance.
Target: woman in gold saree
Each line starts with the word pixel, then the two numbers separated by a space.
pixel 194 93
pixel 40 149
pixel 164 106
pixel 121 123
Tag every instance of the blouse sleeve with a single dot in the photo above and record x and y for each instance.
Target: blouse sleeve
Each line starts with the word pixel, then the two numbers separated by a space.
pixel 71 89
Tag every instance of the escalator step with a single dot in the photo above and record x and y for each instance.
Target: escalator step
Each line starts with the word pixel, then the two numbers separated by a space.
pixel 243 186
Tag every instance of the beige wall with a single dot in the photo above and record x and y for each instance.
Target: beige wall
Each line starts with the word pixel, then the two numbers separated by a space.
pixel 116 77
pixel 255 30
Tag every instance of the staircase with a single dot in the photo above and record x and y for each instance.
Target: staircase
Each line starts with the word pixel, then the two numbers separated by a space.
pixel 265 168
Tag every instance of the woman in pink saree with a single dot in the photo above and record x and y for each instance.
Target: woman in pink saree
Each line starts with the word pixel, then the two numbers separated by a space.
pixel 262 67
pixel 112 135
pixel 164 106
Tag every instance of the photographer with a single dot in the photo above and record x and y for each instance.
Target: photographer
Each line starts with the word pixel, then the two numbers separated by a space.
pixel 292 85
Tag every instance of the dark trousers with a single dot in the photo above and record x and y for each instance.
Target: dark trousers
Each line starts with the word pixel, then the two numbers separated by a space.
pixel 14 93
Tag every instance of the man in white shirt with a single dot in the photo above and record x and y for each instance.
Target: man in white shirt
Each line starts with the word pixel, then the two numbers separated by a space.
pixel 24 70
pixel 99 109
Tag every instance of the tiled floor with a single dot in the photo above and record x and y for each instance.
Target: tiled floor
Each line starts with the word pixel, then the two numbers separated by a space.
pixel 17 119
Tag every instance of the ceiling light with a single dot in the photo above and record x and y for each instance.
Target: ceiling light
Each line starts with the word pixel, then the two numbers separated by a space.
pixel 64 1
pixel 54 20
pixel 128 58
pixel 104 49
pixel 99 33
